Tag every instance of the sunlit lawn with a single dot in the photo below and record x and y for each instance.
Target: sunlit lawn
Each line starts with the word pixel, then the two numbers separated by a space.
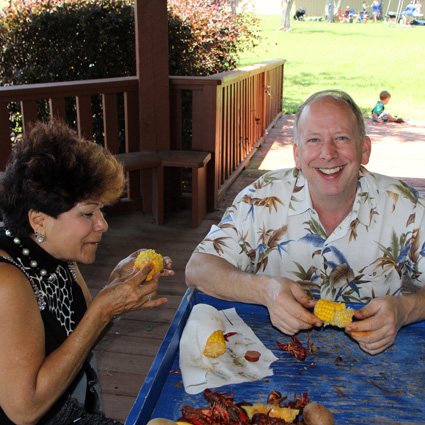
pixel 362 59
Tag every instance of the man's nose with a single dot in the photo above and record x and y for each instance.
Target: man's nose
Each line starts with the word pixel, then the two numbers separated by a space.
pixel 329 150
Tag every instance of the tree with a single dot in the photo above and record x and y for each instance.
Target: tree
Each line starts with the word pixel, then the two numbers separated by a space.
pixel 285 19
pixel 337 7
pixel 330 11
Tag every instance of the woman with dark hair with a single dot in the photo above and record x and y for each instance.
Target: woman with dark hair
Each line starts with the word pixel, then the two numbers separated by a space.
pixel 54 188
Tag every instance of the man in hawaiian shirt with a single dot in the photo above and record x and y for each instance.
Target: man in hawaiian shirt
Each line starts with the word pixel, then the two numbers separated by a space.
pixel 328 227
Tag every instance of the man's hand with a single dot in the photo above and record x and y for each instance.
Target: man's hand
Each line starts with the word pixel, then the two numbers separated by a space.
pixel 288 307
pixel 378 325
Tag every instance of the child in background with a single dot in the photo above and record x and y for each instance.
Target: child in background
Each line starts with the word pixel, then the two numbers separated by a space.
pixel 378 112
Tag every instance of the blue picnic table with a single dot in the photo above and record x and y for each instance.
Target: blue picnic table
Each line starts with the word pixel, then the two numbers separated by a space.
pixel 358 388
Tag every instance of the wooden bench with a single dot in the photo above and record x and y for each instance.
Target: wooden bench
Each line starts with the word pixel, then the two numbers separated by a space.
pixel 157 160
pixel 134 162
pixel 197 161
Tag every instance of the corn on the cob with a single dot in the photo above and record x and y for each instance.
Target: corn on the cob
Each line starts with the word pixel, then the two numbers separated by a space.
pixel 149 256
pixel 285 413
pixel 216 345
pixel 333 313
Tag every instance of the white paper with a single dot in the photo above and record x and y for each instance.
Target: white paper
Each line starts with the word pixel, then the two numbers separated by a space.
pixel 200 372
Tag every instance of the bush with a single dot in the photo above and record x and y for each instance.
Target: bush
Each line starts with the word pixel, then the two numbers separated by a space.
pixel 48 41
pixel 205 37
pixel 66 40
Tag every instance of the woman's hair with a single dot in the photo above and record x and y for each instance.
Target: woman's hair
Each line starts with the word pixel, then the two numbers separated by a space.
pixel 339 95
pixel 51 170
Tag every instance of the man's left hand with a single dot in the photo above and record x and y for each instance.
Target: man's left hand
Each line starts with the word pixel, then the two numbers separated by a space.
pixel 378 325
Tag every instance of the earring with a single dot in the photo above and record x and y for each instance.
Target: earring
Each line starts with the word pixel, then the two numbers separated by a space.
pixel 39 238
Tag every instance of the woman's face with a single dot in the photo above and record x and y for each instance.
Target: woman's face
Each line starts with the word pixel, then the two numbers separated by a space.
pixel 74 235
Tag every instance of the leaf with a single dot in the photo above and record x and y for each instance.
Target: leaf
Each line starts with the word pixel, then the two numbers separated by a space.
pixel 312 239
pixel 276 236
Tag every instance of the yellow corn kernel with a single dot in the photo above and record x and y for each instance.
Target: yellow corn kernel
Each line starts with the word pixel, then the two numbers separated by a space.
pixel 285 413
pixel 147 257
pixel 333 313
pixel 216 345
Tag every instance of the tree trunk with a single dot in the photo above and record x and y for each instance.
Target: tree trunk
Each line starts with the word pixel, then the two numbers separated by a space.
pixel 285 18
pixel 329 11
pixel 233 6
pixel 337 7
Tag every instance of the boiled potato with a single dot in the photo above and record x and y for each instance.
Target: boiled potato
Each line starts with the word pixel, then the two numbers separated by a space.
pixel 161 421
pixel 317 414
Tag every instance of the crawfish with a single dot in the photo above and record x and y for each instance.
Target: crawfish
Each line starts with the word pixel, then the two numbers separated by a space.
pixel 275 397
pixel 263 419
pixel 295 348
pixel 224 410
pixel 298 402
pixel 196 416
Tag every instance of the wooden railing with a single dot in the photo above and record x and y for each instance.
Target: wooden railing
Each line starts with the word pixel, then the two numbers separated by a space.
pixel 231 113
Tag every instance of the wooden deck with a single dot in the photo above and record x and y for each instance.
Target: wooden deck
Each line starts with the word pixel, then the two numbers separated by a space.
pixel 126 353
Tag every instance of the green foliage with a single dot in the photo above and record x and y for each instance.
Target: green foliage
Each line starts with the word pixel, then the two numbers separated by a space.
pixel 47 41
pixel 205 37
pixel 66 40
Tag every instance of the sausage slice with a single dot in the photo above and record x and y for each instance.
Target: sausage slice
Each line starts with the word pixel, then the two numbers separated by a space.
pixel 252 356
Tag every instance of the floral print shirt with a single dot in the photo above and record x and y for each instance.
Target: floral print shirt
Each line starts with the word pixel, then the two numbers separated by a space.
pixel 272 229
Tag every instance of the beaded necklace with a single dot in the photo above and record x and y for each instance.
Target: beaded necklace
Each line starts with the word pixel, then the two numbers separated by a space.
pixel 52 288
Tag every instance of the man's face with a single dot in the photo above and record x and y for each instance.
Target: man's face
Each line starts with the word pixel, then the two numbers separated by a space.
pixel 329 150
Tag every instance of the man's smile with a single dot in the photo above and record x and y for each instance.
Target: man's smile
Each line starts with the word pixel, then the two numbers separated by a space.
pixel 330 171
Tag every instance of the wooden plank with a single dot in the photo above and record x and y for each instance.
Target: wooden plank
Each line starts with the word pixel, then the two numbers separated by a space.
pixel 57 108
pixel 151 21
pixel 84 117
pixel 110 121
pixel 131 120
pixel 5 142
pixel 29 112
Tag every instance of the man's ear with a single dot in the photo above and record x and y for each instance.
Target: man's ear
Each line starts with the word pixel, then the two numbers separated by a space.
pixel 296 152
pixel 37 221
pixel 367 149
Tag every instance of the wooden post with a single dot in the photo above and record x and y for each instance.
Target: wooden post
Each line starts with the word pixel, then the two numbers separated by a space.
pixel 151 27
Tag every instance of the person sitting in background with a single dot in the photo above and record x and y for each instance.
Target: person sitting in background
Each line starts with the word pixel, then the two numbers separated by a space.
pixel 409 12
pixel 54 188
pixel 327 228
pixel 347 14
pixel 378 112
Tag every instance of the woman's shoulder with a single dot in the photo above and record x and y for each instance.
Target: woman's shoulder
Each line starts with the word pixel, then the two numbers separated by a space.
pixel 15 287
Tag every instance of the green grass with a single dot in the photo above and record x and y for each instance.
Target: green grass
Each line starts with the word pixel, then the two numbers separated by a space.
pixel 361 59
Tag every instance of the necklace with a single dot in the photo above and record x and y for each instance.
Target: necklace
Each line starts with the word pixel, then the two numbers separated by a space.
pixel 34 265
pixel 52 284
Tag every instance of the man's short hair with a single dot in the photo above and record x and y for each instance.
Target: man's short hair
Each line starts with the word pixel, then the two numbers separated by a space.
pixel 338 95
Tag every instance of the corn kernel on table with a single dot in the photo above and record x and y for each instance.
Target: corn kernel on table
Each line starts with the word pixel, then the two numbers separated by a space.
pixel 358 388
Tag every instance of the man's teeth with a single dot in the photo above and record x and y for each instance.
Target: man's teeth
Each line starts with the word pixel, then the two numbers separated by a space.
pixel 330 170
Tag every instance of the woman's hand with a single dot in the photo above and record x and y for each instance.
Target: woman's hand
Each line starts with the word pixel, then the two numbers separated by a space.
pixel 128 290
pixel 125 266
